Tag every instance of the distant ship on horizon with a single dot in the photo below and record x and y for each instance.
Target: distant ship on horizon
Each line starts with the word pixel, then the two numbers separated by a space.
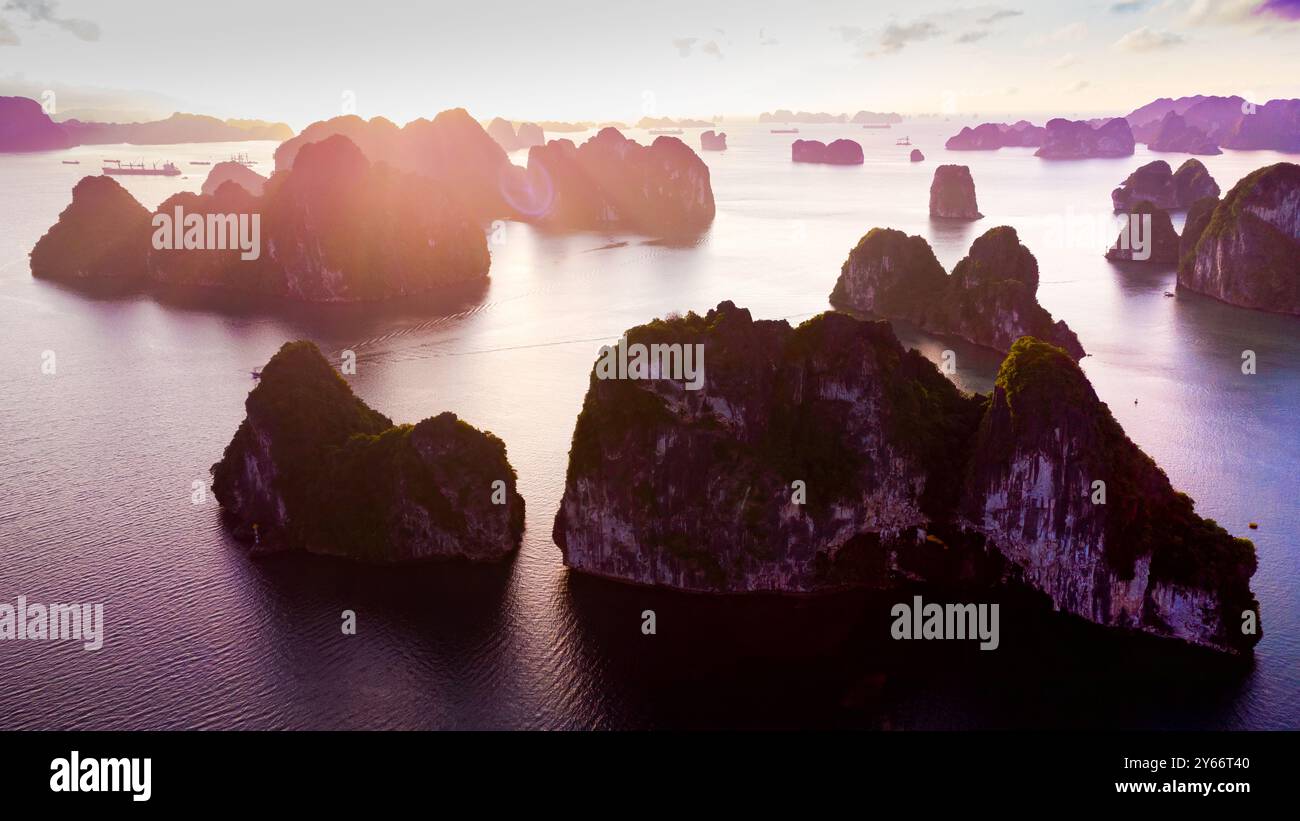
pixel 785 131
pixel 128 169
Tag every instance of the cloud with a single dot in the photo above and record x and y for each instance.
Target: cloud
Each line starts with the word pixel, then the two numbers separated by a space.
pixel 895 36
pixel 1000 14
pixel 1127 6
pixel 850 34
pixel 7 35
pixel 1065 61
pixel 1075 88
pixel 1065 34
pixel 971 37
pixel 1286 9
pixel 1147 39
pixel 684 45
pixel 44 11
pixel 711 48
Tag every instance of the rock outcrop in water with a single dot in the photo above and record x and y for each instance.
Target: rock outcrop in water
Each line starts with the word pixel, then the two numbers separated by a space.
pixel 1157 184
pixel 952 194
pixel 452 150
pixel 334 228
pixel 1148 236
pixel 990 299
pixel 1247 252
pixel 1076 140
pixel 992 136
pixel 611 182
pixel 713 141
pixel 838 152
pixel 826 456
pixel 1230 122
pixel 235 172
pixel 916 156
pixel 313 469
pixel 24 126
pixel 1174 134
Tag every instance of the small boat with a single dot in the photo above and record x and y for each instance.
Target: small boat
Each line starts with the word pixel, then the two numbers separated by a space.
pixel 1169 293
pixel 876 125
pixel 112 160
pixel 243 160
pixel 1254 525
pixel 72 162
pixel 200 162
pixel 257 374
pixel 666 131
pixel 904 141
pixel 785 131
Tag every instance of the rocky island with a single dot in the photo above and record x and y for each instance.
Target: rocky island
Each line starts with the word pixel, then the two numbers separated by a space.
pixel 838 152
pixel 334 228
pixel 312 468
pixel 827 456
pixel 1246 250
pixel 236 172
pixel 1140 241
pixel 1164 188
pixel 990 299
pixel 952 194
pixel 611 181
pixel 1076 140
pixel 713 141
pixel 24 126
pixel 992 136
pixel 1175 134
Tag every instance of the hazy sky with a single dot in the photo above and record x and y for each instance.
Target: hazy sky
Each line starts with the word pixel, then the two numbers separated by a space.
pixel 557 59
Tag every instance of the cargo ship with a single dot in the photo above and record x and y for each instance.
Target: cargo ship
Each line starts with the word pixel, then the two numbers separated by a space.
pixel 136 169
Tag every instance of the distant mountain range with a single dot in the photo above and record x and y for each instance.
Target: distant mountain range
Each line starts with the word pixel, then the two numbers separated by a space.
pixel 24 126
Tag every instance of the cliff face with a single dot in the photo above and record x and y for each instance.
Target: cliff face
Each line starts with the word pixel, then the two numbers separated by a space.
pixel 1076 139
pixel 312 468
pixel 952 193
pixel 1136 244
pixel 1157 184
pixel 613 182
pixel 990 299
pixel 1248 252
pixel 452 150
pixel 693 489
pixel 1143 560
pixel 904 478
pixel 24 126
pixel 838 152
pixel 334 228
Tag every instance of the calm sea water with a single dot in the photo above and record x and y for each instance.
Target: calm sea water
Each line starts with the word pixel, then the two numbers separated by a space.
pixel 98 461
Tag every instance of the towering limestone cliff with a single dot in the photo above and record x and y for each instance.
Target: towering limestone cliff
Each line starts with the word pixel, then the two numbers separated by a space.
pixel 1247 252
pixel 1164 188
pixel 990 298
pixel 1148 236
pixel 334 228
pixel 613 182
pixel 312 468
pixel 1142 560
pixel 826 456
pixel 952 194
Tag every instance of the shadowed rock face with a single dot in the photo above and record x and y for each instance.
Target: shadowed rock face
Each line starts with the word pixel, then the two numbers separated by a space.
pixel 1247 252
pixel 838 152
pixel 238 173
pixel 1198 219
pixel 902 476
pixel 24 126
pixel 1136 243
pixel 613 182
pixel 313 469
pixel 1076 139
pixel 452 150
pixel 332 229
pixel 990 298
pixel 713 141
pixel 1157 184
pixel 952 193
